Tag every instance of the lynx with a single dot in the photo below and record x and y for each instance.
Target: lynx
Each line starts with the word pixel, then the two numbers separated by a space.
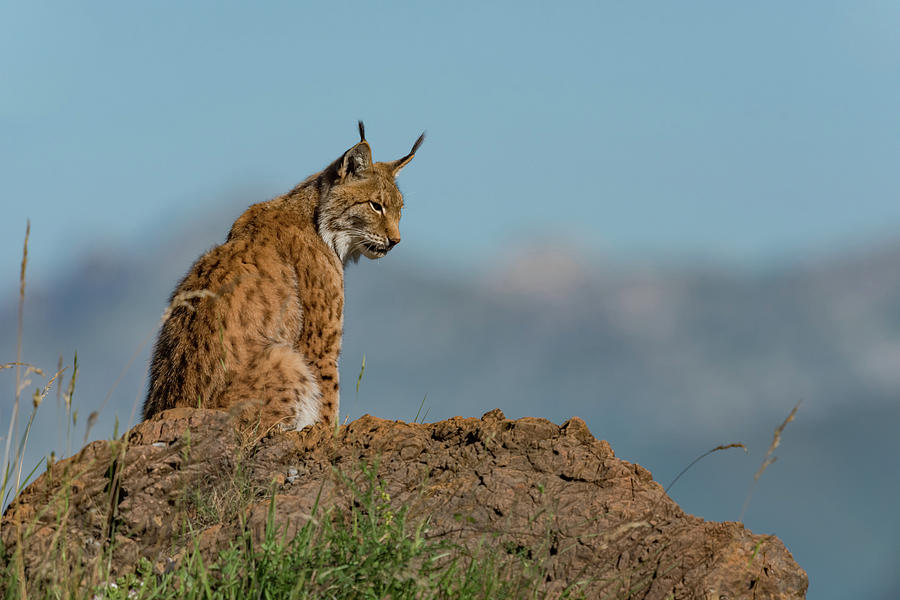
pixel 255 326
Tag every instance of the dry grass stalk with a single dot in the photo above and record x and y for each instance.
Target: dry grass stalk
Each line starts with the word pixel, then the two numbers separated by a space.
pixel 40 394
pixel 67 398
pixel 37 398
pixel 59 367
pixel 30 368
pixel 701 457
pixel 618 532
pixel 14 417
pixel 769 458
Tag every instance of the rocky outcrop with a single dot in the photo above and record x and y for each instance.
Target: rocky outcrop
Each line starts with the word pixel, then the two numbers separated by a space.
pixel 523 485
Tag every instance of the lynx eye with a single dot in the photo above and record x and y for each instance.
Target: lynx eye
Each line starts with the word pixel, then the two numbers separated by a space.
pixel 376 207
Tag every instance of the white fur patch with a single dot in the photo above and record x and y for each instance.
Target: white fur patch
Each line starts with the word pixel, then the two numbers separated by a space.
pixel 342 246
pixel 338 241
pixel 309 408
pixel 328 237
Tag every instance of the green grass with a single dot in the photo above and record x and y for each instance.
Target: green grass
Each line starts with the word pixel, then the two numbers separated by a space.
pixel 370 551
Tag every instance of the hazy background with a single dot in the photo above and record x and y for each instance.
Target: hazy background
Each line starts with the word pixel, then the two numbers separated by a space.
pixel 673 220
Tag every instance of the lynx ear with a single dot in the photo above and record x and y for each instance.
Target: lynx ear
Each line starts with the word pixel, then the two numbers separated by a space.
pixel 398 165
pixel 357 161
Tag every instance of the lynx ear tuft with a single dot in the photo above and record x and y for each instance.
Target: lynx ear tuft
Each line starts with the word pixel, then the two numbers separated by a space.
pixel 362 132
pixel 398 165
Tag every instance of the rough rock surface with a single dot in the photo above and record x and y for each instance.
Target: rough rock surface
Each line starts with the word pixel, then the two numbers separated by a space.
pixel 520 485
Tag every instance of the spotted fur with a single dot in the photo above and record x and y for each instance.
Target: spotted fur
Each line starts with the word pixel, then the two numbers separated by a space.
pixel 255 326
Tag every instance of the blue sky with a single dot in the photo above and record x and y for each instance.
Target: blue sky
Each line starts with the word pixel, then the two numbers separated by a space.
pixel 750 132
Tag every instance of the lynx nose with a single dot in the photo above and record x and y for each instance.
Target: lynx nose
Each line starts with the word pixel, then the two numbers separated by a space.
pixel 393 242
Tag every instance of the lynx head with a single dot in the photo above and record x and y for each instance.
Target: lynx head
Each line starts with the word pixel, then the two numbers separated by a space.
pixel 359 213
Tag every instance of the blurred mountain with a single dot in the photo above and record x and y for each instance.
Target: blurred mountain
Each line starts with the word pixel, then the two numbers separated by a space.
pixel 664 361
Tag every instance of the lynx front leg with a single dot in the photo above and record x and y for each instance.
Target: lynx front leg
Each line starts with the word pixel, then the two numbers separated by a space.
pixel 322 295
pixel 330 389
pixel 323 349
pixel 320 342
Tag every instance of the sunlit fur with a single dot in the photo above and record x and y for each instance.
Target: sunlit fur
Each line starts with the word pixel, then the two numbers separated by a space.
pixel 255 326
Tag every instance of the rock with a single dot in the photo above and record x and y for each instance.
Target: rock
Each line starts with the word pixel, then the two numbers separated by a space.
pixel 520 485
